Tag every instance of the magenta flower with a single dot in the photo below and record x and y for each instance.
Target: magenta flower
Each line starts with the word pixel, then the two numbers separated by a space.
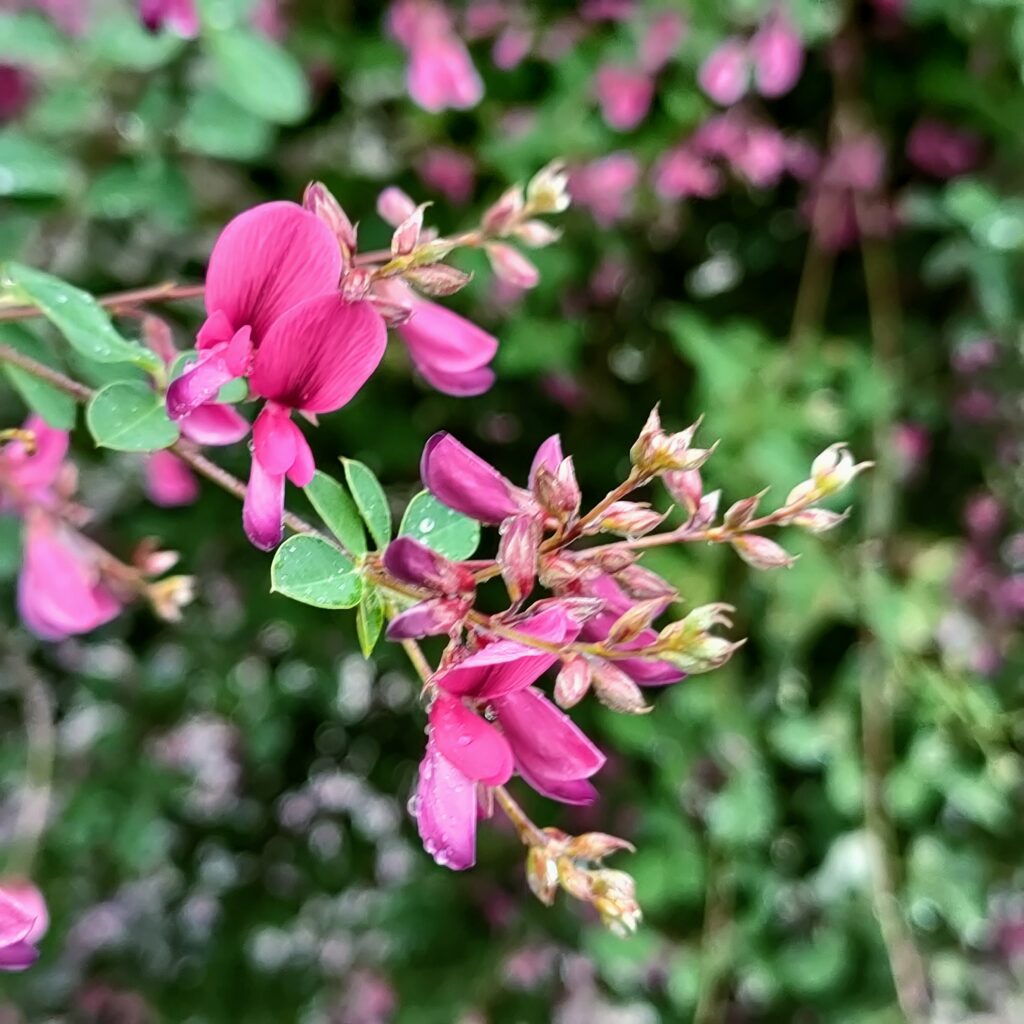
pixel 661 41
pixel 777 53
pixel 682 172
pixel 624 95
pixel 60 590
pixel 941 150
pixel 448 171
pixel 29 472
pixel 441 73
pixel 276 317
pixel 23 922
pixel 529 735
pixel 177 16
pixel 725 74
pixel 606 186
pixel 169 481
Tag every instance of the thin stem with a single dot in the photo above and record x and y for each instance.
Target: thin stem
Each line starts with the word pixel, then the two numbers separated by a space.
pixel 529 833
pixel 79 392
pixel 168 291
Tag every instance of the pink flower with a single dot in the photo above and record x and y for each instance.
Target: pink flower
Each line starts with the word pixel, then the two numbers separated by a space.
pixel 624 94
pixel 511 47
pixel 15 92
pixel 682 172
pixel 725 74
pixel 169 481
pixel 29 472
pixel 606 185
pixel 451 352
pixel 941 150
pixel 449 172
pixel 276 317
pixel 60 590
pixel 177 16
pixel 661 41
pixel 607 10
pixel 23 922
pixel 778 56
pixel 441 73
pixel 529 735
pixel 762 160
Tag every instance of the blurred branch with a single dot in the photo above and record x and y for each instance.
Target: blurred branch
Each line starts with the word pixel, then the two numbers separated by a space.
pixel 168 291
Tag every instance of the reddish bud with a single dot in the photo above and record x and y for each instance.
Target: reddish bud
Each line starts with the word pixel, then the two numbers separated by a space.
pixel 319 200
pixel 433 617
pixel 572 682
pixel 558 492
pixel 156 332
pixel 762 553
pixel 596 846
pixel 512 266
pixel 631 518
pixel 641 582
pixel 655 452
pixel 740 513
pixel 632 622
pixel 356 284
pixel 706 512
pixel 610 559
pixel 437 279
pixel 818 520
pixel 686 488
pixel 407 234
pixel 394 206
pixel 503 215
pixel 517 554
pixel 616 690
pixel 537 234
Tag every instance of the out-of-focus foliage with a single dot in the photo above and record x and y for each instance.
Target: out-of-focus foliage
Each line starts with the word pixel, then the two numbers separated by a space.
pixel 230 840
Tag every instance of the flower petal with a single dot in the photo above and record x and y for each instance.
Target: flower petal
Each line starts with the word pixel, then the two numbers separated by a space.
pixel 463 384
pixel 215 425
pixel 268 260
pixel 446 813
pixel 274 441
pixel 169 482
pixel 442 340
pixel 202 380
pixel 469 742
pixel 549 455
pixel 35 469
pixel 319 354
pixel 263 509
pixel 497 669
pixel 18 956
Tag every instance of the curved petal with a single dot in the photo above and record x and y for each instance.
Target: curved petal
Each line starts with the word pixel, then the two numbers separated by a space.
pixel 545 741
pixel 463 384
pixel 18 956
pixel 319 354
pixel 445 805
pixel 568 791
pixel 549 455
pixel 263 509
pixel 268 260
pixel 274 441
pixel 169 482
pixel 199 383
pixel 215 425
pixel 428 618
pixel 442 340
pixel 303 468
pixel 469 742
pixel 15 920
pixel 497 669
pixel 463 481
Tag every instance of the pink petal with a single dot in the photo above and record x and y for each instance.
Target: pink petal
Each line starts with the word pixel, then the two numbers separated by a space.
pixel 274 440
pixel 725 74
pixel 415 563
pixel 446 811
pixel 304 467
pixel 25 900
pixel 549 455
pixel 35 471
pixel 463 481
pixel 432 617
pixel 201 381
pixel 499 668
pixel 263 509
pixel 471 744
pixel 778 56
pixel 18 956
pixel 463 384
pixel 15 920
pixel 215 425
pixel 319 354
pixel 568 791
pixel 443 340
pixel 169 482
pixel 268 260
pixel 545 741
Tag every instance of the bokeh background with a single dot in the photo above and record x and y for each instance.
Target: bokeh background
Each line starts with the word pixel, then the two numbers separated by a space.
pixel 229 838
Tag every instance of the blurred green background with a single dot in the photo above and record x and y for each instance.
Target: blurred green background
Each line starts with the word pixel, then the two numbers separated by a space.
pixel 229 838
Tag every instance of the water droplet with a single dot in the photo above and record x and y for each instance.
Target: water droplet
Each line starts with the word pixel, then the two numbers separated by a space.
pixel 412 806
pixel 464 741
pixel 426 525
pixel 60 298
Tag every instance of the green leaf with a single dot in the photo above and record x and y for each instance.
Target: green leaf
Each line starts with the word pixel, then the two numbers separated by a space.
pixel 57 408
pixel 10 547
pixel 259 75
pixel 313 571
pixel 29 40
pixel 130 416
pixel 448 532
pixel 77 315
pixel 334 506
pixel 369 620
pixel 127 190
pixel 29 168
pixel 370 499
pixel 120 39
pixel 216 126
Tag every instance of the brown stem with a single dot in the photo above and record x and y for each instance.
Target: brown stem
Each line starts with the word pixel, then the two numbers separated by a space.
pixel 166 292
pixel 529 833
pixel 79 392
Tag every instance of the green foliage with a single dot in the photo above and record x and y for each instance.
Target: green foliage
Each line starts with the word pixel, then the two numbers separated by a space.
pixel 370 499
pixel 446 531
pixel 336 508
pixel 57 408
pixel 315 572
pixel 128 416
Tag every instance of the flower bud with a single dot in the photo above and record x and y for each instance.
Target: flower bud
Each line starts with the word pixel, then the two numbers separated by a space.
pixel 517 554
pixel 706 512
pixel 630 518
pixel 740 513
pixel 151 560
pixel 558 572
pixel 407 234
pixel 706 655
pixel 609 558
pixel 686 487
pixel 394 206
pixel 614 898
pixel 548 190
pixel 595 846
pixel 762 553
pixel 572 682
pixel 433 617
pixel 818 520
pixel 156 333
pixel 616 690
pixel 542 874
pixel 655 452
pixel 512 266
pixel 834 468
pixel 558 492
pixel 632 622
pixel 356 284
pixel 395 307
pixel 642 583
pixel 319 200
pixel 537 234
pixel 503 215
pixel 168 596
pixel 437 279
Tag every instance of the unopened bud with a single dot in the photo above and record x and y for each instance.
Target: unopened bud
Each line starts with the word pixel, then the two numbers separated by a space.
pixel 740 513
pixel 437 279
pixel 632 622
pixel 542 874
pixel 548 190
pixel 595 846
pixel 686 488
pixel 394 206
pixel 762 553
pixel 572 682
pixel 558 572
pixel 706 512
pixel 616 690
pixel 642 583
pixel 154 561
pixel 558 492
pixel 706 655
pixel 156 332
pixel 834 468
pixel 407 234
pixel 512 266
pixel 537 234
pixel 631 518
pixel 168 596
pixel 517 555
pixel 319 200
pixel 614 898
pixel 818 520
pixel 503 215
pixel 655 452
pixel 610 558
pixel 356 284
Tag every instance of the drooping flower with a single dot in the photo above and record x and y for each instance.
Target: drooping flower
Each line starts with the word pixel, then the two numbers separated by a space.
pixel 61 591
pixel 529 736
pixel 169 481
pixel 275 316
pixel 624 95
pixel 441 73
pixel 23 922
pixel 178 16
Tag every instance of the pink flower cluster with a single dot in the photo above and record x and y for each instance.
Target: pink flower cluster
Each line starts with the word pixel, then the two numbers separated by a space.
pixel 773 58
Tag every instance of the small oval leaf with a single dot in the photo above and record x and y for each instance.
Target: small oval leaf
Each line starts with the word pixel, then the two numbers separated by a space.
pixel 369 620
pixel 338 511
pixel 130 417
pixel 448 532
pixel 370 499
pixel 313 571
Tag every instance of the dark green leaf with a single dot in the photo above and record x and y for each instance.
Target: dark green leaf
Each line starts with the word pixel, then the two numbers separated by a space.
pixel 338 511
pixel 30 168
pixel 370 499
pixel 313 571
pixel 369 620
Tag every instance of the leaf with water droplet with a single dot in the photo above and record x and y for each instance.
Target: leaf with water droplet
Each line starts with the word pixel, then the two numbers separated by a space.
pixel 370 499
pixel 130 416
pixel 446 531
pixel 313 571
pixel 336 508
pixel 369 620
